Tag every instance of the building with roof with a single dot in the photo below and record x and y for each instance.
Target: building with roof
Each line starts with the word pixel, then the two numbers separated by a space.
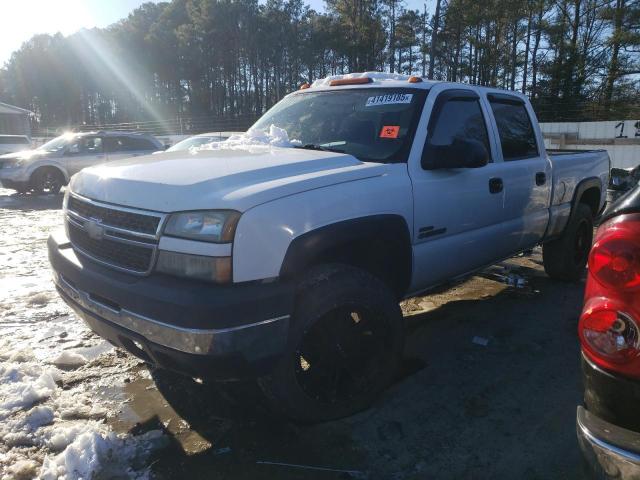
pixel 14 120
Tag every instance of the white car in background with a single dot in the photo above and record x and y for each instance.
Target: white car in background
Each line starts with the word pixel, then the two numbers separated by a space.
pixel 199 140
pixel 50 166
pixel 14 143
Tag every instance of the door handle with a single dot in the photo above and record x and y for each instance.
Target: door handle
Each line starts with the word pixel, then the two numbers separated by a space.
pixel 541 178
pixel 495 185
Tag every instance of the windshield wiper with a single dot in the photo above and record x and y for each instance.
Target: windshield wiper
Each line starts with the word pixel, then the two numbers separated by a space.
pixel 315 146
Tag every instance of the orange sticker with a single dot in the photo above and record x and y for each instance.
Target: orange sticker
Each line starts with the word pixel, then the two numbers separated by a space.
pixel 390 131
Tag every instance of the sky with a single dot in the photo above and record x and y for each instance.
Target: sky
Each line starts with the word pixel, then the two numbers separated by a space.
pixel 23 19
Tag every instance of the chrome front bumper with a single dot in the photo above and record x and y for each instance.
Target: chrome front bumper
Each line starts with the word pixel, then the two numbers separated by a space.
pixel 611 452
pixel 267 335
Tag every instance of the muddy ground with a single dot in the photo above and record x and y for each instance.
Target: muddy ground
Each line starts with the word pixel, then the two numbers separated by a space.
pixel 488 390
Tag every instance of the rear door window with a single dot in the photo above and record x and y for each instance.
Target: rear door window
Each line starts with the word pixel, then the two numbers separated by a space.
pixel 133 144
pixel 517 137
pixel 129 144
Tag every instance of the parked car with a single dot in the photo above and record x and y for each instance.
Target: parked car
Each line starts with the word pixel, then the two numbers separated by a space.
pixel 287 264
pixel 14 143
pixel 622 180
pixel 50 166
pixel 609 423
pixel 200 140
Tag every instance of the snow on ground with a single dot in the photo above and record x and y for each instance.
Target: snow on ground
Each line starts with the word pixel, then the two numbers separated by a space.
pixel 55 375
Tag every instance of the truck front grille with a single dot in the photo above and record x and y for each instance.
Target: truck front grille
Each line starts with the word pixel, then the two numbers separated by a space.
pixel 127 220
pixel 117 237
pixel 130 257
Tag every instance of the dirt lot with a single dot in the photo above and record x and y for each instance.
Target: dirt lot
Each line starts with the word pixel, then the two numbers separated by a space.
pixel 489 388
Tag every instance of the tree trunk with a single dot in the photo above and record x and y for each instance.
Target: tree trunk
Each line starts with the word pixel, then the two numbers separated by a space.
pixel 434 39
pixel 534 55
pixel 614 65
pixel 525 71
pixel 514 56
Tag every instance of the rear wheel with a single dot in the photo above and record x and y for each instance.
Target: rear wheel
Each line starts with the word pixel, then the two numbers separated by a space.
pixel 344 346
pixel 565 258
pixel 47 180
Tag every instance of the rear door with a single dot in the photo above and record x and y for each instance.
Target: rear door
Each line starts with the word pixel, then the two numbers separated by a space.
pixel 526 170
pixel 458 212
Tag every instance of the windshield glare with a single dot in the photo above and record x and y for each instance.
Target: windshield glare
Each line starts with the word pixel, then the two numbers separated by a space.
pixel 374 125
pixel 57 144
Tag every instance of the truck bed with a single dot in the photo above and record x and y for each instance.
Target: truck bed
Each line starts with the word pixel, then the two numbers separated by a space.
pixel 570 167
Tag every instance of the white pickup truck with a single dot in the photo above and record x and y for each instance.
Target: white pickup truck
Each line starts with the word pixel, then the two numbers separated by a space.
pixel 282 254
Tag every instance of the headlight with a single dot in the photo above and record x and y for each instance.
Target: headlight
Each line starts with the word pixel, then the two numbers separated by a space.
pixel 13 163
pixel 217 226
pixel 210 269
pixel 65 200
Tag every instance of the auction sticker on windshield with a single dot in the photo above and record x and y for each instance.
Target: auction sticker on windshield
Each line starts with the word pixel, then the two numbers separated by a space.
pixel 389 99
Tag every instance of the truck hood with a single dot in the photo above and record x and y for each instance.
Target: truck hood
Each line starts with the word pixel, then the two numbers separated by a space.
pixel 217 179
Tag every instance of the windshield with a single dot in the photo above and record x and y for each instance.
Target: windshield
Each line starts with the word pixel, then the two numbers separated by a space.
pixel 187 143
pixel 375 125
pixel 57 144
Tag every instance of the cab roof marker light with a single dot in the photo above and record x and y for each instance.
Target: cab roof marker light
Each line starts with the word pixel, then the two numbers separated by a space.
pixel 304 86
pixel 415 80
pixel 350 81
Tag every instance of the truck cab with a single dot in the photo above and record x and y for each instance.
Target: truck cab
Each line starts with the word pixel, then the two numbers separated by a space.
pixel 281 254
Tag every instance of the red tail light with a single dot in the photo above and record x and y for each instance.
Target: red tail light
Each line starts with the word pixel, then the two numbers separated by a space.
pixel 615 257
pixel 608 332
pixel 608 328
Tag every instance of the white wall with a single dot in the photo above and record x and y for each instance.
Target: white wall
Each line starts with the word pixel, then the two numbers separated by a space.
pixel 622 144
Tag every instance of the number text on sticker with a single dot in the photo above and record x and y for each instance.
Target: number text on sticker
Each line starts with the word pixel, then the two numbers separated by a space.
pixel 389 99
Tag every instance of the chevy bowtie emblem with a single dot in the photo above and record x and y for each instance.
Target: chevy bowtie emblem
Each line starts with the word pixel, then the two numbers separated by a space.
pixel 94 229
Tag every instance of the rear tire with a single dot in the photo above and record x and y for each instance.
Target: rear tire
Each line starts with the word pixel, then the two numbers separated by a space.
pixel 345 344
pixel 47 180
pixel 565 258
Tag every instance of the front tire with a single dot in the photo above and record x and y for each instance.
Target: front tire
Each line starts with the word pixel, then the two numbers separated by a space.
pixel 47 180
pixel 345 344
pixel 565 258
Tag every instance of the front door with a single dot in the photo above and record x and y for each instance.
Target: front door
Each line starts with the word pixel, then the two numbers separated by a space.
pixel 458 212
pixel 83 152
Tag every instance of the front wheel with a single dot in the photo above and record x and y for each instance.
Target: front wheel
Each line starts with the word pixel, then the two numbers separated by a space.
pixel 344 346
pixel 565 258
pixel 47 180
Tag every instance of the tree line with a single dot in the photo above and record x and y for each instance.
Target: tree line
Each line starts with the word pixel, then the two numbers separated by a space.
pixel 196 59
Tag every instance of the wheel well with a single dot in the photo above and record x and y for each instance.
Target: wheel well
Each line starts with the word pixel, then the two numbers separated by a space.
pixel 383 260
pixel 48 167
pixel 591 198
pixel 380 245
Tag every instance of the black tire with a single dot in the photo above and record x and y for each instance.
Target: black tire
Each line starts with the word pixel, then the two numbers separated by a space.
pixel 345 344
pixel 565 258
pixel 47 180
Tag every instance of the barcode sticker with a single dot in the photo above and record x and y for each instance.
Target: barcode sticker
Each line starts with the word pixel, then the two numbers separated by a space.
pixel 389 99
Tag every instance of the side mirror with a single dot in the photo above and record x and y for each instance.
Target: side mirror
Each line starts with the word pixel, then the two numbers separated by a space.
pixel 461 153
